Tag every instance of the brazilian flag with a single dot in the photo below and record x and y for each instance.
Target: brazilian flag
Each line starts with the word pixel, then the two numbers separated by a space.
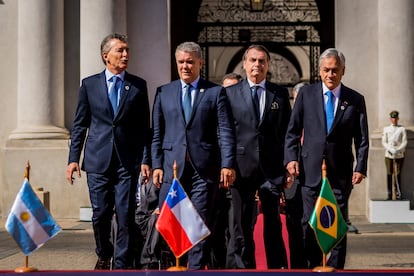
pixel 326 219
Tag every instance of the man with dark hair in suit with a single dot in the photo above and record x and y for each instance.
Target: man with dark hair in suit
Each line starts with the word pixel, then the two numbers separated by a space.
pixel 261 111
pixel 332 118
pixel 113 112
pixel 220 233
pixel 230 79
pixel 192 126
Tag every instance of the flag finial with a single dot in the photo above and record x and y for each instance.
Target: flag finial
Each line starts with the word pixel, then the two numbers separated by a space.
pixel 323 169
pixel 175 168
pixel 27 170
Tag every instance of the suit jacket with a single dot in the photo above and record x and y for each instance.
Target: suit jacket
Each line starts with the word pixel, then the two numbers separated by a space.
pixel 260 143
pixel 349 126
pixel 127 133
pixel 208 137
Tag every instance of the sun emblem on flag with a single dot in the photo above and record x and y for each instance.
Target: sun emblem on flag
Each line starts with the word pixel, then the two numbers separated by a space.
pixel 24 216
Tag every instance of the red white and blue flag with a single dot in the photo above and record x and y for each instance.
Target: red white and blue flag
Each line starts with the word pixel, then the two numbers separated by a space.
pixel 179 222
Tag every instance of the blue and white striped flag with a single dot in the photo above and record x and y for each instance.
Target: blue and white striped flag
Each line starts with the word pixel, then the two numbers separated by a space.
pixel 29 222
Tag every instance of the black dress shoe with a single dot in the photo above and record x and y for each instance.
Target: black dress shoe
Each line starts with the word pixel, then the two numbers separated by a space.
pixel 103 264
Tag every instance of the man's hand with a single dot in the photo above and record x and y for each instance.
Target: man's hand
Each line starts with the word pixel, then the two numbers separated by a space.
pixel 145 173
pixel 227 177
pixel 157 176
pixel 357 177
pixel 72 167
pixel 293 168
pixel 289 181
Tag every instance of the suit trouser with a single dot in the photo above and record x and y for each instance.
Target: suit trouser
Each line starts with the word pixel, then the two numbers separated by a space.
pixel 240 248
pixel 312 249
pixel 113 190
pixel 269 195
pixel 294 212
pixel 220 231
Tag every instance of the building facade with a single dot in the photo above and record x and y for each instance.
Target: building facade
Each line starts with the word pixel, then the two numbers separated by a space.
pixel 49 46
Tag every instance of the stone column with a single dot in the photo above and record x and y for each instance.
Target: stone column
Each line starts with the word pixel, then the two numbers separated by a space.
pixel 98 19
pixel 396 60
pixel 395 92
pixel 40 71
pixel 149 41
pixel 39 137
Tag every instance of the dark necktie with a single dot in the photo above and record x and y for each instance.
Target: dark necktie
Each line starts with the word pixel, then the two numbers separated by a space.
pixel 329 110
pixel 255 97
pixel 187 102
pixel 113 94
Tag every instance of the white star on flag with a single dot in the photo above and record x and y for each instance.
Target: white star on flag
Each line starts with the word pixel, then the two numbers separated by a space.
pixel 173 193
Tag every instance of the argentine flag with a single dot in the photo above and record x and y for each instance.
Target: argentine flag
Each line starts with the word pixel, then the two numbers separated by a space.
pixel 29 223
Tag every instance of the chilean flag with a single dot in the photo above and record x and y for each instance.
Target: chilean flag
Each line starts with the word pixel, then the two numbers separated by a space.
pixel 179 222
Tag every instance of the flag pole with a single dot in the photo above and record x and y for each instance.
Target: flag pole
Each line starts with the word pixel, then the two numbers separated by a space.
pixel 324 267
pixel 175 168
pixel 26 267
pixel 177 266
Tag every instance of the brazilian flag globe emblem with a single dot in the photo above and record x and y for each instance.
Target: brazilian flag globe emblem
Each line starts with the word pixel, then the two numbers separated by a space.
pixel 326 219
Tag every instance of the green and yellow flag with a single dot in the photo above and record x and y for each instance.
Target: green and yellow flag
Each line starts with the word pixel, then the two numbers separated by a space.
pixel 326 219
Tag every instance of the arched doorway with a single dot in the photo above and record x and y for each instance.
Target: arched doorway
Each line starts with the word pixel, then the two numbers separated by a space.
pixel 294 31
pixel 289 29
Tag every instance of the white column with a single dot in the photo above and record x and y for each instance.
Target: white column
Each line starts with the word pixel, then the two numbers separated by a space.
pixel 40 70
pixel 98 18
pixel 396 60
pixel 149 42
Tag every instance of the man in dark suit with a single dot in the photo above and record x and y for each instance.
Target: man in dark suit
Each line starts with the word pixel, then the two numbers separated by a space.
pixel 197 132
pixel 113 111
pixel 332 117
pixel 261 111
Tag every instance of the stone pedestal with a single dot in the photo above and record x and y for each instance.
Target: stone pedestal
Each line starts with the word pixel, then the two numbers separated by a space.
pixel 48 161
pixel 377 183
pixel 390 211
pixel 85 213
pixel 44 196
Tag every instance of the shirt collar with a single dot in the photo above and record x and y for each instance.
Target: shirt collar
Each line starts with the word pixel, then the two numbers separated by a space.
pixel 109 75
pixel 336 91
pixel 262 84
pixel 193 84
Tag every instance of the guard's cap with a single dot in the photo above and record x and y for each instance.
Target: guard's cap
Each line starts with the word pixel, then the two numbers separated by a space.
pixel 394 114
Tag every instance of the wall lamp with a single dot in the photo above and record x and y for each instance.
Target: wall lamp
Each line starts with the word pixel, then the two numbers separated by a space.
pixel 256 5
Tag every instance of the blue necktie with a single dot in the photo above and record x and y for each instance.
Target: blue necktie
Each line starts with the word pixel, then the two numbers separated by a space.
pixel 113 94
pixel 187 102
pixel 329 110
pixel 255 97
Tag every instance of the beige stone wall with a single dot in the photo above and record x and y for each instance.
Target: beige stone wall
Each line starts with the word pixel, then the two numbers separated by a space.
pixel 39 134
pixel 8 85
pixel 376 43
pixel 375 38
